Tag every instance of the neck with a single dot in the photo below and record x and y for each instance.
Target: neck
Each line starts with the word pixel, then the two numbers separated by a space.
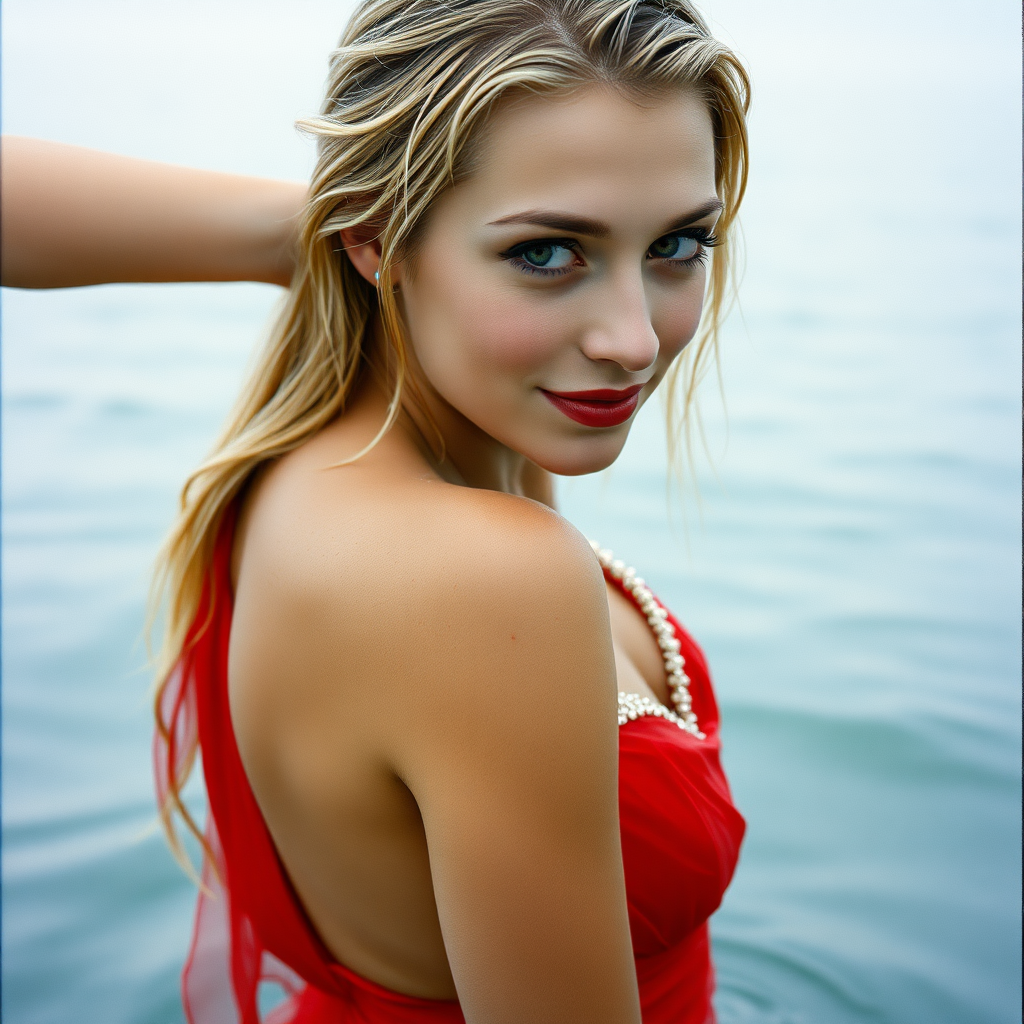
pixel 456 448
pixel 468 456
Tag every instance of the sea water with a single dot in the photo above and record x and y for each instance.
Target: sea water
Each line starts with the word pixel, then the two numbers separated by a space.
pixel 852 566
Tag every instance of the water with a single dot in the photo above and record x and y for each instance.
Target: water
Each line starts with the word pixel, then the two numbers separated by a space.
pixel 853 571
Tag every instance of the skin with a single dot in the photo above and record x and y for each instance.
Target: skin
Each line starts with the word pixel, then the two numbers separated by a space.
pixel 424 660
pixel 71 216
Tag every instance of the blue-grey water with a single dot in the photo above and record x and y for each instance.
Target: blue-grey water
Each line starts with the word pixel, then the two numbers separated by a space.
pixel 853 568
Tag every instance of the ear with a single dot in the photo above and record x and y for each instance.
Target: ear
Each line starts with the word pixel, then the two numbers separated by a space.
pixel 361 246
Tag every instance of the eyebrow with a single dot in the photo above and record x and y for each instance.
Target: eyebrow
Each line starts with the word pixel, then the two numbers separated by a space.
pixel 575 225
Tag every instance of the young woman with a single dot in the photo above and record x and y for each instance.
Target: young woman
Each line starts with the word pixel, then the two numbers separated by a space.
pixel 399 664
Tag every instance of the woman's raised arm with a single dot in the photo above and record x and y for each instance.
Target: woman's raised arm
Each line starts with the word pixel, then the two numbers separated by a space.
pixel 74 216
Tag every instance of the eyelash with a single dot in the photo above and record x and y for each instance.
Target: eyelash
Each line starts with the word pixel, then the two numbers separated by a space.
pixel 707 239
pixel 514 255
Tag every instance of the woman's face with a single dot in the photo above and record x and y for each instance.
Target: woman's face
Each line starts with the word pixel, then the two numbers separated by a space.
pixel 552 289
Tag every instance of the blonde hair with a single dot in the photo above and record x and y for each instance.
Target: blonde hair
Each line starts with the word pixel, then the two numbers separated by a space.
pixel 410 85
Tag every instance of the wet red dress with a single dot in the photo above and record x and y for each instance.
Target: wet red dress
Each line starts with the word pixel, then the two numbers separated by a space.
pixel 680 841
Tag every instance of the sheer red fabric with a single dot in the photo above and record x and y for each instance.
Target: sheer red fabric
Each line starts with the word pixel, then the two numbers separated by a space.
pixel 680 842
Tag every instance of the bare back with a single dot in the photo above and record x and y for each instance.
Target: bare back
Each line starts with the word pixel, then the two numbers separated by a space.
pixel 377 607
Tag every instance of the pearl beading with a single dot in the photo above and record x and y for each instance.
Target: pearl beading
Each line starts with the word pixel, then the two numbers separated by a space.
pixel 632 705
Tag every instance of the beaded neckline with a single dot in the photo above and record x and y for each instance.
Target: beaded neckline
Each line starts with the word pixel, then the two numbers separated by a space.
pixel 632 705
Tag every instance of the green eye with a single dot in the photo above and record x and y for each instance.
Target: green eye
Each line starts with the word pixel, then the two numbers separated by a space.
pixel 539 255
pixel 675 247
pixel 544 256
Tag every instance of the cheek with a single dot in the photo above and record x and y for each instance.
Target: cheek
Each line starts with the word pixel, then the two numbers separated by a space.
pixel 487 331
pixel 676 321
pixel 511 333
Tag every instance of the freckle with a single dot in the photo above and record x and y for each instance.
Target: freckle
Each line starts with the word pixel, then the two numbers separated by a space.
pixel 513 636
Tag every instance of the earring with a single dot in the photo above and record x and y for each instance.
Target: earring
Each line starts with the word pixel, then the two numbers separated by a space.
pixel 376 277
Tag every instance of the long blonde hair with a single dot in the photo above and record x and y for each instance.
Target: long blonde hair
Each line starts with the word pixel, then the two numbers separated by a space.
pixel 410 85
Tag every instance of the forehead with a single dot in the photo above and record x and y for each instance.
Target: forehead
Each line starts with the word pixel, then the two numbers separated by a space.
pixel 595 152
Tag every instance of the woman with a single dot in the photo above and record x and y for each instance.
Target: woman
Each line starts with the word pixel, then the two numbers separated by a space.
pixel 399 664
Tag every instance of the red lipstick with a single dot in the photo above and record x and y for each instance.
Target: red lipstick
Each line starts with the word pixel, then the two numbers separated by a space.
pixel 600 408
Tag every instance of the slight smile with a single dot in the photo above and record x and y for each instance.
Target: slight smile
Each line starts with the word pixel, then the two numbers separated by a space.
pixel 601 408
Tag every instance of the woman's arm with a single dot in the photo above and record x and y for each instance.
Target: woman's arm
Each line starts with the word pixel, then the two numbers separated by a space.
pixel 504 729
pixel 74 216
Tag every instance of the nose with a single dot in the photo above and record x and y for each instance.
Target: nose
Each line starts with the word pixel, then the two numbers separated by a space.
pixel 620 328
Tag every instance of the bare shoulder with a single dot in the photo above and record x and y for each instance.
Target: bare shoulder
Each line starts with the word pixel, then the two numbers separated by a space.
pixel 499 640
pixel 504 550
pixel 521 590
pixel 502 571
pixel 335 541
pixel 427 596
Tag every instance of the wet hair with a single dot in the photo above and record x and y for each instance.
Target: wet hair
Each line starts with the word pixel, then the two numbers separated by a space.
pixel 410 87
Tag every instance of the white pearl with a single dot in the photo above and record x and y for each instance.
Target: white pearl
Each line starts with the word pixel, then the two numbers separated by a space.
pixel 631 705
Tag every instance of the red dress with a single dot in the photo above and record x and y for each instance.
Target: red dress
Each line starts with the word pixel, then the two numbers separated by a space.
pixel 680 842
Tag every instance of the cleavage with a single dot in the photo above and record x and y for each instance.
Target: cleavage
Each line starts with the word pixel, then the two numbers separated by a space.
pixel 639 664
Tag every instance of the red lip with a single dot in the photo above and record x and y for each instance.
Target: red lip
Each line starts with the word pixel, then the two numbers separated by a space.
pixel 600 408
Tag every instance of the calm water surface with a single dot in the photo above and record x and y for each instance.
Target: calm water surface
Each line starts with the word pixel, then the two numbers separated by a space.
pixel 853 570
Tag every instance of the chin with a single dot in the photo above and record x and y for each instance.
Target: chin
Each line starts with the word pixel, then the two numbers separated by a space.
pixel 580 455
